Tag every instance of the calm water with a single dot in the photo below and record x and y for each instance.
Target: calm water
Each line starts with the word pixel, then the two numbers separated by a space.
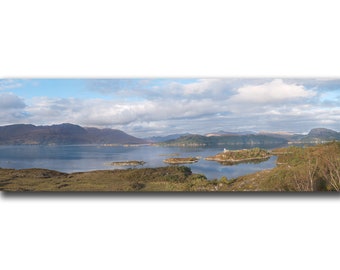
pixel 77 158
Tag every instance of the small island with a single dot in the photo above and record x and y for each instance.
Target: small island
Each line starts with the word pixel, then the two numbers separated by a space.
pixel 229 157
pixel 128 163
pixel 187 160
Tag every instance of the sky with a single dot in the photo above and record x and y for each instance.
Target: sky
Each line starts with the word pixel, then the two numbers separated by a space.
pixel 146 107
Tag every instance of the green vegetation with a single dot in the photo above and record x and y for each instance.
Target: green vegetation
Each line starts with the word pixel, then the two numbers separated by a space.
pixel 238 156
pixel 309 169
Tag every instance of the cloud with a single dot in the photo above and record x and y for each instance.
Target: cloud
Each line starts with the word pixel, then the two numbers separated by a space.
pixel 10 101
pixel 201 87
pixel 271 92
pixel 115 86
pixel 139 117
pixel 11 109
pixel 6 84
pixel 151 89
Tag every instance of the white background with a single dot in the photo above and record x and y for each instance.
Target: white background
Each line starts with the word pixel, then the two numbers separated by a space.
pixel 169 39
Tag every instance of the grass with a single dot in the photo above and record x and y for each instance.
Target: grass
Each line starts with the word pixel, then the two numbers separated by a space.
pixel 171 178
pixel 300 169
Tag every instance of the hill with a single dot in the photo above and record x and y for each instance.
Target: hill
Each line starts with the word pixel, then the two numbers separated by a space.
pixel 227 140
pixel 163 179
pixel 63 134
pixel 263 139
pixel 224 133
pixel 320 135
pixel 156 139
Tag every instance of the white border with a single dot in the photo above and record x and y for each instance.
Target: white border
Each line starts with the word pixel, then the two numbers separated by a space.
pixel 172 39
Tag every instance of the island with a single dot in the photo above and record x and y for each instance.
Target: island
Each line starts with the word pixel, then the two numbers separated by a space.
pixel 186 160
pixel 128 163
pixel 229 157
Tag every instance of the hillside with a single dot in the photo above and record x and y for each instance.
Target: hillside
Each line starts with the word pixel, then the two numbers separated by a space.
pixel 171 178
pixel 320 135
pixel 63 134
pixel 227 140
pixel 300 169
pixel 263 139
pixel 157 139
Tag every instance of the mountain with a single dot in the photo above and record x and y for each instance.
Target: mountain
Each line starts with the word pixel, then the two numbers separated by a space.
pixel 223 133
pixel 112 136
pixel 268 139
pixel 63 134
pixel 319 135
pixel 74 134
pixel 227 140
pixel 285 135
pixel 165 138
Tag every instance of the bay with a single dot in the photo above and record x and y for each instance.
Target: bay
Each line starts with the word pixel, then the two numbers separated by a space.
pixel 80 158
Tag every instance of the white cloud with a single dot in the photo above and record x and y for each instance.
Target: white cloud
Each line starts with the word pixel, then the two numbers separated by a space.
pixel 6 84
pixel 110 113
pixel 11 101
pixel 164 89
pixel 271 92
pixel 210 87
pixel 11 109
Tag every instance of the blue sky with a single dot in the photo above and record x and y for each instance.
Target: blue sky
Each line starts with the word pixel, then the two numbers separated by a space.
pixel 147 106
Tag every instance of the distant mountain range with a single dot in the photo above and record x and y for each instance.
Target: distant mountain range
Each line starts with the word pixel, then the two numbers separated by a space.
pixel 63 134
pixel 226 140
pixel 221 138
pixel 74 134
pixel 156 139
pixel 224 133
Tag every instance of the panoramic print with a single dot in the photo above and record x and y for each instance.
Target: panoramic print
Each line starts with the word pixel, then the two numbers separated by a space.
pixel 170 135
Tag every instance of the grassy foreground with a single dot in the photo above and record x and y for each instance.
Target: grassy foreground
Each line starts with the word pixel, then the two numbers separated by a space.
pixel 310 169
pixel 147 179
